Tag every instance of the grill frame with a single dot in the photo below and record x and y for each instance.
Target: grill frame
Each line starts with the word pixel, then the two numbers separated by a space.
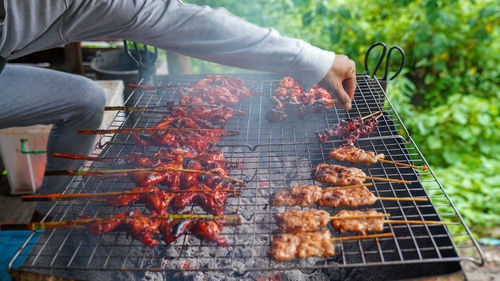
pixel 386 135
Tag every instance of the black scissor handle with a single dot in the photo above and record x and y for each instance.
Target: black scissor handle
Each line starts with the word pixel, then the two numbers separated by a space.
pixel 142 59
pixel 367 70
pixel 387 61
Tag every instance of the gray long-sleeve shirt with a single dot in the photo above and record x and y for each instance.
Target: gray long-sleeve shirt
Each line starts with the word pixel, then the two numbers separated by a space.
pixel 202 32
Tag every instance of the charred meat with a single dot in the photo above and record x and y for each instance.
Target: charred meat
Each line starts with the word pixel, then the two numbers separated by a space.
pixel 362 225
pixel 301 220
pixel 302 196
pixel 355 155
pixel 289 246
pixel 337 175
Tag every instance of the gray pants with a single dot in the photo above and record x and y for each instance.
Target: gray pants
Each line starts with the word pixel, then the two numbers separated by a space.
pixel 35 96
pixel 32 96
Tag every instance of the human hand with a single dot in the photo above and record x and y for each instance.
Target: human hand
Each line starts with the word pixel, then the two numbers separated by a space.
pixel 341 80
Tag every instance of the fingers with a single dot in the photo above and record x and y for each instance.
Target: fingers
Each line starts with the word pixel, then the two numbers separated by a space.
pixel 341 79
pixel 343 96
pixel 350 86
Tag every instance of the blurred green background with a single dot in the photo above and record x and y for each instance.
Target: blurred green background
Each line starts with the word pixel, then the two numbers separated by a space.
pixel 448 95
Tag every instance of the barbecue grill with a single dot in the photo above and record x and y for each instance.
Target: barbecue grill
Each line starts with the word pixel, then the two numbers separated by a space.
pixel 273 156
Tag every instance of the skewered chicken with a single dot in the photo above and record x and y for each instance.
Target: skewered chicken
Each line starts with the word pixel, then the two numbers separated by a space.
pixel 307 195
pixel 289 246
pixel 362 225
pixel 302 196
pixel 301 220
pixel 346 197
pixel 355 155
pixel 337 175
pixel 134 223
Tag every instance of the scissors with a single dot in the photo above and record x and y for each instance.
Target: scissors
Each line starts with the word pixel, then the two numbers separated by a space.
pixel 383 80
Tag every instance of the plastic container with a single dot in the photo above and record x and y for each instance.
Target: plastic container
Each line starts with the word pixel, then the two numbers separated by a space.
pixel 24 171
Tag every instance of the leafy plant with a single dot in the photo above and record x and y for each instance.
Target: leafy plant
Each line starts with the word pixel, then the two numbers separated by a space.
pixel 448 94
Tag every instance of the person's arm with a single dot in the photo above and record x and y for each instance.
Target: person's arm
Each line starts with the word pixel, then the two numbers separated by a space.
pixel 202 32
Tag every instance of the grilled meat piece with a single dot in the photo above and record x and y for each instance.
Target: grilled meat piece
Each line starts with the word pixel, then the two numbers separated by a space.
pixel 302 196
pixel 105 226
pixel 339 129
pixel 355 155
pixel 183 199
pixel 134 223
pixel 173 229
pixel 290 99
pixel 141 227
pixel 212 202
pixel 289 246
pixel 301 220
pixel 346 197
pixel 364 130
pixel 126 199
pixel 215 89
pixel 362 225
pixel 208 230
pixel 337 175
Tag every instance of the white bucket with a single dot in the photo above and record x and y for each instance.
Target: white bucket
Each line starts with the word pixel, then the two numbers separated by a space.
pixel 24 171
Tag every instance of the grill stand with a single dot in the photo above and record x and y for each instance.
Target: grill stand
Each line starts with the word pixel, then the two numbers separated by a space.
pixel 424 251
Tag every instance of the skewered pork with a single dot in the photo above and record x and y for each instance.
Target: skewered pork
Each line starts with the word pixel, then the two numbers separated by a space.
pixel 307 195
pixel 302 196
pixel 301 220
pixel 346 197
pixel 355 155
pixel 337 175
pixel 289 246
pixel 362 225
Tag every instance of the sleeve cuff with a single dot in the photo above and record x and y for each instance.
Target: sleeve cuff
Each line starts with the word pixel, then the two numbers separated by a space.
pixel 313 64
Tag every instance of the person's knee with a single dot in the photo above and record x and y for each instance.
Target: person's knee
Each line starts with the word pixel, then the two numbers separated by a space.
pixel 89 97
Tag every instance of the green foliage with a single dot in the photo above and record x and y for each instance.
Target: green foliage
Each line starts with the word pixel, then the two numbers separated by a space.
pixel 449 92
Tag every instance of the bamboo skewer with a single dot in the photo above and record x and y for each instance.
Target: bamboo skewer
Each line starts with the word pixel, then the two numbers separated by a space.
pixel 83 157
pixel 382 235
pixel 133 130
pixel 111 159
pixel 402 199
pixel 384 179
pixel 368 116
pixel 138 109
pixel 150 109
pixel 348 186
pixel 79 223
pixel 417 222
pixel 151 87
pixel 102 172
pixel 82 196
pixel 359 216
pixel 402 164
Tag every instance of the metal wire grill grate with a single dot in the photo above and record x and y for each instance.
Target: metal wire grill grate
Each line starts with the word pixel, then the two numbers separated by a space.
pixel 274 156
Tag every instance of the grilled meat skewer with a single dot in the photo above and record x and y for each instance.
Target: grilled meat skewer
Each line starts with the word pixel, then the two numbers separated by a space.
pixel 345 196
pixel 289 246
pixel 341 175
pixel 338 175
pixel 368 221
pixel 312 220
pixel 355 155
